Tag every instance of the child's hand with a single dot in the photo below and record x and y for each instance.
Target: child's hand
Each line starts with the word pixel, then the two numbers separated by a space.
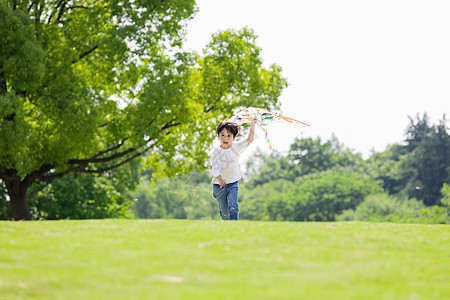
pixel 222 183
pixel 254 120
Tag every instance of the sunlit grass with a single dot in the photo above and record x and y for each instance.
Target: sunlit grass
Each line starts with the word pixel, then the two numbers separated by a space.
pixel 180 259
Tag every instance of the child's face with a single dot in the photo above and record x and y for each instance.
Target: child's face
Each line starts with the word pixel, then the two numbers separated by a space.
pixel 225 138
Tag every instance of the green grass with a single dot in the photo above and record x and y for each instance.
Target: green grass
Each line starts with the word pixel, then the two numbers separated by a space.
pixel 181 259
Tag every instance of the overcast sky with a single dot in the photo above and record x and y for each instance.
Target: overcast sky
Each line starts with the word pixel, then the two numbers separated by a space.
pixel 355 68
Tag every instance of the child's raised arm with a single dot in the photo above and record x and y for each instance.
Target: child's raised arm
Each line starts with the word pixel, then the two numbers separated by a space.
pixel 251 133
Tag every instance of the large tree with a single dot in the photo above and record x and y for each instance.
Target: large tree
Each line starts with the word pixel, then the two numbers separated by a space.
pixel 88 86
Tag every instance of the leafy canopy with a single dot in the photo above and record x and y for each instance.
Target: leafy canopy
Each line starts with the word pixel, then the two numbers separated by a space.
pixel 91 85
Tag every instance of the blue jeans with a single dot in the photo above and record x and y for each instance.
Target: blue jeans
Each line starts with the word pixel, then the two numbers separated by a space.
pixel 227 197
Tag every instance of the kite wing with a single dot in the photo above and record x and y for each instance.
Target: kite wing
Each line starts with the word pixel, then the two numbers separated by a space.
pixel 265 117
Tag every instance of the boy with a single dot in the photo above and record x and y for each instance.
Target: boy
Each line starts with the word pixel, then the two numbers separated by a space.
pixel 225 168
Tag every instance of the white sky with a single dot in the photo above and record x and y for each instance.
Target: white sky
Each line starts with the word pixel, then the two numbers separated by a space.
pixel 356 68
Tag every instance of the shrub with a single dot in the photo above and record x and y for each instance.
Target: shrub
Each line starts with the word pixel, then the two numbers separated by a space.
pixel 383 207
pixel 386 208
pixel 320 196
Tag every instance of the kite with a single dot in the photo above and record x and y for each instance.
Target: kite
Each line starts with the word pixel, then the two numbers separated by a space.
pixel 265 117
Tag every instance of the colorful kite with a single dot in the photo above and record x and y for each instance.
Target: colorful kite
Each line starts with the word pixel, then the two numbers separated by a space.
pixel 265 117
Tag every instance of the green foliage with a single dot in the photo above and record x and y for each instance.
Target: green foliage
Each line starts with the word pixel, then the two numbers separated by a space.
pixel 253 200
pixel 89 49
pixel 440 214
pixel 435 215
pixel 384 167
pixel 21 54
pixel 266 168
pixel 77 196
pixel 85 196
pixel 184 197
pixel 445 200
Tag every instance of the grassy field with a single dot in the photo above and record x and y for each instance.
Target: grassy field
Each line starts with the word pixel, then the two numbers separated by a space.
pixel 181 259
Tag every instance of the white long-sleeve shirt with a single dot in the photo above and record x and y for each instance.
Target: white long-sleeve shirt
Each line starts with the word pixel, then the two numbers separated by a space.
pixel 225 162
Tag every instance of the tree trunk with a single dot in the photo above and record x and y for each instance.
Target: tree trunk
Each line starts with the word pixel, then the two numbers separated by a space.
pixel 17 192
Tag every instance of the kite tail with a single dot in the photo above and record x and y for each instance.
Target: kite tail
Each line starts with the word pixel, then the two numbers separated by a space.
pixel 266 137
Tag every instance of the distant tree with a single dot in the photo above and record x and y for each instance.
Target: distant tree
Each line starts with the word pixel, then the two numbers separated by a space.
pixel 254 201
pixel 423 171
pixel 306 156
pixel 417 131
pixel 88 86
pixel 383 167
pixel 267 168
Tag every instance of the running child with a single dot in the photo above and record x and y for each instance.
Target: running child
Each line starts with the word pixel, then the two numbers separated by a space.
pixel 225 167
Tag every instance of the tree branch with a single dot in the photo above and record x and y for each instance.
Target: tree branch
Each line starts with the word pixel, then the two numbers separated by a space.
pixel 37 12
pixel 80 165
pixel 30 178
pixel 85 54
pixel 42 177
pixel 10 117
pixel 101 160
pixel 81 161
pixel 2 173
pixel 170 124
pixel 3 85
pixel 209 109
pixel 81 168
pixel 95 158
pixel 29 7
pixel 77 6
pixel 99 171
pixel 61 10
pixel 8 174
pixel 56 8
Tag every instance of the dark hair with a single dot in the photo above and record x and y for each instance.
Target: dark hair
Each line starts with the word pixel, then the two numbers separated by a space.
pixel 233 128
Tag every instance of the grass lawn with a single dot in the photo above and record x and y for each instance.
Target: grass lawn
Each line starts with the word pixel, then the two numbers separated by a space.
pixel 182 259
